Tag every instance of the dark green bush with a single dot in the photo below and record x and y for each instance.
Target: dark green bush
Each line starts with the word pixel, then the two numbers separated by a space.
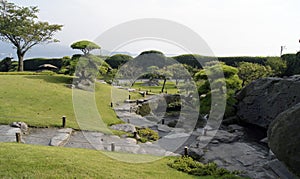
pixel 292 64
pixel 33 64
pixel 233 61
pixel 118 60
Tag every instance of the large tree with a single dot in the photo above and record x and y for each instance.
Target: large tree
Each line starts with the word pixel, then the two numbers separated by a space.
pixel 19 26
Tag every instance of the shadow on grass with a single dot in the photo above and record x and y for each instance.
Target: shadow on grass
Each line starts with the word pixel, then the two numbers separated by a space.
pixel 58 79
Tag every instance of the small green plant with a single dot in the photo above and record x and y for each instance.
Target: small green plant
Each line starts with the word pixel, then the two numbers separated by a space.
pixel 190 166
pixel 147 134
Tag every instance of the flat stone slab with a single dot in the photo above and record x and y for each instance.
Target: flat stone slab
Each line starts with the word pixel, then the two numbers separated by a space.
pixel 124 127
pixel 8 134
pixel 61 138
pixel 67 130
pixel 239 156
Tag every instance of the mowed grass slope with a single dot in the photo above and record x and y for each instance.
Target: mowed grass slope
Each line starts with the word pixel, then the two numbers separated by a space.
pixel 41 100
pixel 25 161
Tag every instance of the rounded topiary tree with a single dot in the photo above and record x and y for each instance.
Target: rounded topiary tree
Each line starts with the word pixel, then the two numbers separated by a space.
pixel 85 46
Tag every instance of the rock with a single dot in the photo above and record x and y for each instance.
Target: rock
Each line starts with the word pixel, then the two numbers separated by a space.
pixel 230 120
pixel 129 101
pixel 196 153
pixel 235 128
pixel 22 125
pixel 261 101
pixel 177 135
pixel 124 127
pixel 226 137
pixel 284 138
pixel 61 138
pixel 66 130
pixel 264 140
pixel 164 128
pixel 239 156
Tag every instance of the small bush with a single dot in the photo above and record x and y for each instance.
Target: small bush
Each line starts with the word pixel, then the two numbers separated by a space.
pixel 147 134
pixel 190 166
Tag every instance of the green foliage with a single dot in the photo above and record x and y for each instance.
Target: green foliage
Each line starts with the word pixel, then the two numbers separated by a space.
pixel 179 72
pixel 293 64
pixel 85 46
pixel 277 65
pixel 33 64
pixel 249 72
pixel 118 60
pixel 152 52
pixel 87 62
pixel 144 109
pixel 19 26
pixel 6 65
pixel 193 60
pixel 190 166
pixel 216 82
pixel 234 61
pixel 147 134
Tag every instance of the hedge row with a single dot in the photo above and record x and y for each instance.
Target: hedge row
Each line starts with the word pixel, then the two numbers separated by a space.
pixel 33 64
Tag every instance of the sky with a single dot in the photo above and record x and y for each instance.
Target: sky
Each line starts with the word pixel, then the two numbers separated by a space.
pixel 229 27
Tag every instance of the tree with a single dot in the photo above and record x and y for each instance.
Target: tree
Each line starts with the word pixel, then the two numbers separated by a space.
pixel 164 74
pixel 278 65
pixel 227 86
pixel 249 72
pixel 19 26
pixel 85 46
pixel 179 72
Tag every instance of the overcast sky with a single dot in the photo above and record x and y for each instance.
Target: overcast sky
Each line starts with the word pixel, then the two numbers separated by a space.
pixel 230 27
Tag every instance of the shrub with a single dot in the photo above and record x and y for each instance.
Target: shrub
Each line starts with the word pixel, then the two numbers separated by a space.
pixel 33 64
pixel 190 166
pixel 147 134
pixel 118 60
pixel 231 80
pixel 249 72
pixel 292 63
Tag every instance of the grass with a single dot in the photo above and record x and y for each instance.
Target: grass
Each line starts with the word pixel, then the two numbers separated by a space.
pixel 170 87
pixel 26 161
pixel 41 101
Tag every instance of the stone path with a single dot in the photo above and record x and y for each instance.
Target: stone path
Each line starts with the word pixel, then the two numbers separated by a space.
pixel 227 149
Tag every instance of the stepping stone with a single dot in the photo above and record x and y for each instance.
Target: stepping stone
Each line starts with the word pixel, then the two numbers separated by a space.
pixel 61 138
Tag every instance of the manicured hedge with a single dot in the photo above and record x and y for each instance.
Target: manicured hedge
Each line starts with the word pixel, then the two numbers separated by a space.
pixel 33 64
pixel 193 60
pixel 118 60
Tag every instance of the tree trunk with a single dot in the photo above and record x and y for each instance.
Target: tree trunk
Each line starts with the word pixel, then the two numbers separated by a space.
pixel 163 87
pixel 20 62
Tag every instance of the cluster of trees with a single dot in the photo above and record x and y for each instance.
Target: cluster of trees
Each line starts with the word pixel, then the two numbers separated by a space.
pixel 20 27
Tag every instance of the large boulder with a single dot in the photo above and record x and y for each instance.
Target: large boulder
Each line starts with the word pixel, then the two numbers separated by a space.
pixel 284 138
pixel 262 100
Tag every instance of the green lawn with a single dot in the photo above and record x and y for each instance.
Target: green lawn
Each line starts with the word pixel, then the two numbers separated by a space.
pixel 42 100
pixel 26 161
pixel 170 87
